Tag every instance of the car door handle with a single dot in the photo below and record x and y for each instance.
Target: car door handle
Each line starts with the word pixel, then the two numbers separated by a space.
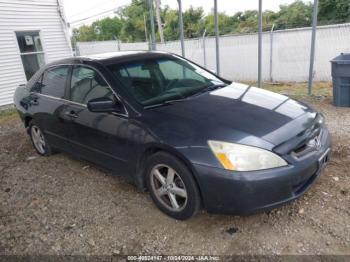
pixel 71 114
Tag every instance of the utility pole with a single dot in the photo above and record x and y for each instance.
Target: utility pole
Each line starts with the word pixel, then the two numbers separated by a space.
pixel 216 22
pixel 313 41
pixel 159 22
pixel 153 36
pixel 118 42
pixel 204 51
pixel 181 25
pixel 271 51
pixel 145 24
pixel 260 46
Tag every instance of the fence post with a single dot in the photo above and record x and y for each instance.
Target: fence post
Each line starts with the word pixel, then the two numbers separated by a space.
pixel 260 45
pixel 77 51
pixel 181 25
pixel 145 24
pixel 118 42
pixel 312 52
pixel 216 22
pixel 271 51
pixel 153 35
pixel 150 43
pixel 204 51
pixel 76 47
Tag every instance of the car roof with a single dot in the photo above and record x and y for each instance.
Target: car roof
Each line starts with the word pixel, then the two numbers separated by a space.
pixel 113 57
pixel 109 55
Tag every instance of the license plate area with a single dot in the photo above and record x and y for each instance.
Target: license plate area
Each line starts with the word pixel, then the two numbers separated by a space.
pixel 324 159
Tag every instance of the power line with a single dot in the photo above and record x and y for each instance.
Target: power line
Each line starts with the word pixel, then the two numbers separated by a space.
pixel 93 7
pixel 101 13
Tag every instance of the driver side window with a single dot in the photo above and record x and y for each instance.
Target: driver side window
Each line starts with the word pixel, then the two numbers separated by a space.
pixel 87 84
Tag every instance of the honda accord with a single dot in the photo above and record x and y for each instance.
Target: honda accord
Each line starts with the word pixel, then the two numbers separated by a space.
pixel 191 138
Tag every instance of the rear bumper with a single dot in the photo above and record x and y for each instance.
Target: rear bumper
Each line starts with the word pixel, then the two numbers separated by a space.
pixel 244 193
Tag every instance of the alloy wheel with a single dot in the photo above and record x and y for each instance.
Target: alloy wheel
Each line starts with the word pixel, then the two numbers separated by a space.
pixel 38 139
pixel 168 187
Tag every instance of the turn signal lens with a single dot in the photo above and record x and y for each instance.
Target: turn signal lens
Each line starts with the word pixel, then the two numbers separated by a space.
pixel 225 161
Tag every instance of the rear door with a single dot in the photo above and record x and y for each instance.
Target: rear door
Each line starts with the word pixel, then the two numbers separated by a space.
pixel 48 104
pixel 98 137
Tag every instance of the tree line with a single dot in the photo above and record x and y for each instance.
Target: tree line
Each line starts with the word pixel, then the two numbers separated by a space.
pixel 132 22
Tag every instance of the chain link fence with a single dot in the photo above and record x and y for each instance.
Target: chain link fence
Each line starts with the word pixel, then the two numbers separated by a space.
pixel 286 53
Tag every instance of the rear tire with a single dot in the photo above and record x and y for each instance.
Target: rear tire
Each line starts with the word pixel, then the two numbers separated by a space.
pixel 172 186
pixel 38 139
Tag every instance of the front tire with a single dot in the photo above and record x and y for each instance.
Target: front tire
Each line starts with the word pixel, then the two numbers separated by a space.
pixel 38 139
pixel 172 186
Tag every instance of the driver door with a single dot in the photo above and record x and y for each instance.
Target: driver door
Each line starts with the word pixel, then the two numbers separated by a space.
pixel 97 137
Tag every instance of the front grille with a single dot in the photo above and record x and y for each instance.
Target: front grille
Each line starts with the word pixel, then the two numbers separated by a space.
pixel 300 149
pixel 309 145
pixel 300 145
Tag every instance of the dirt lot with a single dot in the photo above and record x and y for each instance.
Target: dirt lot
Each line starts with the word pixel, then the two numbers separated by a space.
pixel 58 205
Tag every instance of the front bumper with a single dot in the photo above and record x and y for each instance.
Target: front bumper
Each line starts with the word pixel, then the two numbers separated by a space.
pixel 244 193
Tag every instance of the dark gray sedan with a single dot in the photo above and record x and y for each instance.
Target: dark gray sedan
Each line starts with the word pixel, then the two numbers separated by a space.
pixel 191 138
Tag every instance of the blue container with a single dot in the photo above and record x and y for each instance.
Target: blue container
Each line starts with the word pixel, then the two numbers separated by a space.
pixel 341 80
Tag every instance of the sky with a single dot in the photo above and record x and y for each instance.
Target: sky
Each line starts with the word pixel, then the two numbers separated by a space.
pixel 80 9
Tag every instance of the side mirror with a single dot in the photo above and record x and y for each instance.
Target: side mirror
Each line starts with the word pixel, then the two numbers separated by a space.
pixel 104 105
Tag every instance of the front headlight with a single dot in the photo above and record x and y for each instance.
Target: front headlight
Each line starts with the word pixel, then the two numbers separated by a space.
pixel 244 158
pixel 320 119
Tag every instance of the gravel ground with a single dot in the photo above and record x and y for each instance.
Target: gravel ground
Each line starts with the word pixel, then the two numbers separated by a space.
pixel 59 205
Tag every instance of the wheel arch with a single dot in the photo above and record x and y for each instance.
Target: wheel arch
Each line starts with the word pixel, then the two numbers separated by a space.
pixel 27 120
pixel 155 148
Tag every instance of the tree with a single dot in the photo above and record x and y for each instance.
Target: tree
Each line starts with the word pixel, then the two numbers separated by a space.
pixel 334 11
pixel 226 24
pixel 159 21
pixel 129 23
pixel 108 27
pixel 171 26
pixel 297 14
pixel 193 22
pixel 84 33
pixel 248 22
pixel 132 16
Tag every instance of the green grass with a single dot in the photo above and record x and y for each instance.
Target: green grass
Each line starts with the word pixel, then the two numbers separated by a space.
pixel 8 114
pixel 323 89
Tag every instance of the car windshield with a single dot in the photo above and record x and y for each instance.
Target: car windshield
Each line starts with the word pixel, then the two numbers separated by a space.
pixel 160 80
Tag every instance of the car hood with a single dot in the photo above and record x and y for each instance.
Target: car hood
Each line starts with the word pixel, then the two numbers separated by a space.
pixel 237 113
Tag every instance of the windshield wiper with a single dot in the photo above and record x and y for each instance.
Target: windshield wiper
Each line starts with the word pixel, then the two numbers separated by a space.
pixel 209 88
pixel 171 102
pixel 214 87
pixel 165 103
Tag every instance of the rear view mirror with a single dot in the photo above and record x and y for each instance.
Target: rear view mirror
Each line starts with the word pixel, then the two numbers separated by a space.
pixel 104 105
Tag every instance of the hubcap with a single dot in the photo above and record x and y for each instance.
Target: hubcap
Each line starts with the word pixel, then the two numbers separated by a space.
pixel 168 187
pixel 38 139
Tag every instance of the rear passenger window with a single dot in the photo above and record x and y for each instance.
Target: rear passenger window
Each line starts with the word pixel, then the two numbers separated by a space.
pixel 88 84
pixel 53 82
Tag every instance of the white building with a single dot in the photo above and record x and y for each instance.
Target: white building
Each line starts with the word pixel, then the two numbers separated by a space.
pixel 32 33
